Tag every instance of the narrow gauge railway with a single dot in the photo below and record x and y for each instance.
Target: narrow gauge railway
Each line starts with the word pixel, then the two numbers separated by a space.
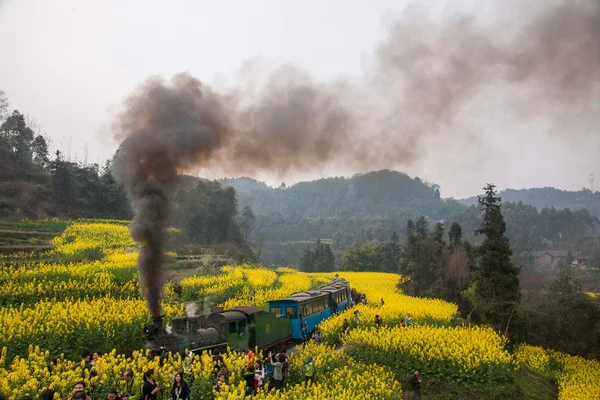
pixel 245 327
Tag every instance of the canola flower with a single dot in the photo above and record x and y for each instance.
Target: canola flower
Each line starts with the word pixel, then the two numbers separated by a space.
pixel 81 237
pixel 27 283
pixel 284 283
pixel 578 378
pixel 468 354
pixel 338 376
pixel 378 285
pixel 361 369
pixel 68 326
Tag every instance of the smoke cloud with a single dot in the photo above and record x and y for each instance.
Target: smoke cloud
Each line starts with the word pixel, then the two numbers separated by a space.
pixel 430 79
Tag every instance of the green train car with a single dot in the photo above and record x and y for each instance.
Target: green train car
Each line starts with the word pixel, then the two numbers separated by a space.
pixel 238 328
pixel 248 327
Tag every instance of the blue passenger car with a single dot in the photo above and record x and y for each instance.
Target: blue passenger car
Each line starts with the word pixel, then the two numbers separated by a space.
pixel 338 298
pixel 310 307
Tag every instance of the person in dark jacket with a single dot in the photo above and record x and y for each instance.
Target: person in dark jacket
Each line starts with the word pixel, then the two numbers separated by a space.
pixel 112 395
pixel 47 394
pixel 416 386
pixel 180 389
pixel 150 388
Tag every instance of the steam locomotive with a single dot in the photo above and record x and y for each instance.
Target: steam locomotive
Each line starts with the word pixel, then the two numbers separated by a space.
pixel 246 327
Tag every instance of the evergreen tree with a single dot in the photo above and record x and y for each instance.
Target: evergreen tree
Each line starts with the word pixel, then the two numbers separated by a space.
pixel 455 236
pixel 496 279
pixel 391 254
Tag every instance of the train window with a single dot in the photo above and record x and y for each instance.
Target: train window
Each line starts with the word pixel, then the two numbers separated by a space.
pixel 276 310
pixel 232 327
pixel 242 327
pixel 290 312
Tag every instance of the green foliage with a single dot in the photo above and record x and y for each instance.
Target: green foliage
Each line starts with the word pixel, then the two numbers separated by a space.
pixel 495 276
pixel 206 211
pixel 374 256
pixel 549 197
pixel 529 229
pixel 320 259
pixel 560 317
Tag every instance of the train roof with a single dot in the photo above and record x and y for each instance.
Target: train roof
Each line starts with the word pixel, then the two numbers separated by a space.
pixel 302 297
pixel 248 310
pixel 229 315
pixel 340 281
pixel 331 288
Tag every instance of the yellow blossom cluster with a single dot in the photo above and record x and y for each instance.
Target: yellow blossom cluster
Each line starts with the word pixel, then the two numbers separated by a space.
pixel 470 354
pixel 578 378
pixel 337 376
pixel 380 285
pixel 221 286
pixel 284 283
pixel 71 325
pixel 81 237
pixel 28 282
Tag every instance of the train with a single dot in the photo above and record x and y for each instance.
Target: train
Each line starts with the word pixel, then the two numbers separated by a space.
pixel 247 327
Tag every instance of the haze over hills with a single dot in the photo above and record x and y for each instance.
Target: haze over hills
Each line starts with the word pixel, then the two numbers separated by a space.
pixel 351 211
pixel 549 197
pixel 387 186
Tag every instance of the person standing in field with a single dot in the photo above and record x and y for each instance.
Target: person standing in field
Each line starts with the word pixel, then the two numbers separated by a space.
pixel 416 386
pixel 133 387
pixel 305 333
pixel 309 369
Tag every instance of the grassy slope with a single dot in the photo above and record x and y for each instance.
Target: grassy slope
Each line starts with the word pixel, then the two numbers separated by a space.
pixel 527 385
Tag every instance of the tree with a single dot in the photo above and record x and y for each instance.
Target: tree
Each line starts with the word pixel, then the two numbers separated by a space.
pixel 247 219
pixel 455 236
pixel 40 151
pixel 321 259
pixel 391 254
pixel 496 279
pixel 18 137
pixel 4 106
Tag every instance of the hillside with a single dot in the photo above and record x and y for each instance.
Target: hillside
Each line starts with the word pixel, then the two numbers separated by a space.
pixel 348 212
pixel 375 193
pixel 548 197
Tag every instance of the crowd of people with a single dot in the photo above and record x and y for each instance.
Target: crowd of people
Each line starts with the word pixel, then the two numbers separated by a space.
pixel 271 372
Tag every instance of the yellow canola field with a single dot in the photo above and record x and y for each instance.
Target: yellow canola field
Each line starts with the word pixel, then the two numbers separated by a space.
pixel 81 237
pixel 283 283
pixel 578 378
pixel 381 285
pixel 472 354
pixel 70 325
pixel 337 377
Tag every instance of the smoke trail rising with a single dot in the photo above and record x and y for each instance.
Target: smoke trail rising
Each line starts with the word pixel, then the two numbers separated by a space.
pixel 429 78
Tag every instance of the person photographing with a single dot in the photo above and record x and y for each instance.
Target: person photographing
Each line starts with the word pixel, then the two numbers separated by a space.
pixel 150 388
pixel 133 387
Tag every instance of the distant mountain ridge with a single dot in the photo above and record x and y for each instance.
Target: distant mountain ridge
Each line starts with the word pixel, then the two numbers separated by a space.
pixel 548 197
pixel 383 192
pixel 352 211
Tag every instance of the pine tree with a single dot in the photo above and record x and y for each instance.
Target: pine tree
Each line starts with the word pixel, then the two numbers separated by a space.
pixel 496 279
pixel 455 236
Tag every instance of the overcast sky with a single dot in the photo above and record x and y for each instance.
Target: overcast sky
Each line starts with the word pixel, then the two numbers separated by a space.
pixel 71 63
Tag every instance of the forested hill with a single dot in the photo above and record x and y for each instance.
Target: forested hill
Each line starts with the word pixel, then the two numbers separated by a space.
pixel 345 212
pixel 548 197
pixel 378 193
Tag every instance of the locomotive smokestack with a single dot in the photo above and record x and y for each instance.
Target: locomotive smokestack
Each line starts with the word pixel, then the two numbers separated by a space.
pixel 158 322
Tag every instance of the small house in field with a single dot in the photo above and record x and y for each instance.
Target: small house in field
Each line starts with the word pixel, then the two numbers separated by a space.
pixel 554 257
pixel 550 257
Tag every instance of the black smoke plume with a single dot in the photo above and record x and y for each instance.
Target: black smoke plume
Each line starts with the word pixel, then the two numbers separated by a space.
pixel 428 80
